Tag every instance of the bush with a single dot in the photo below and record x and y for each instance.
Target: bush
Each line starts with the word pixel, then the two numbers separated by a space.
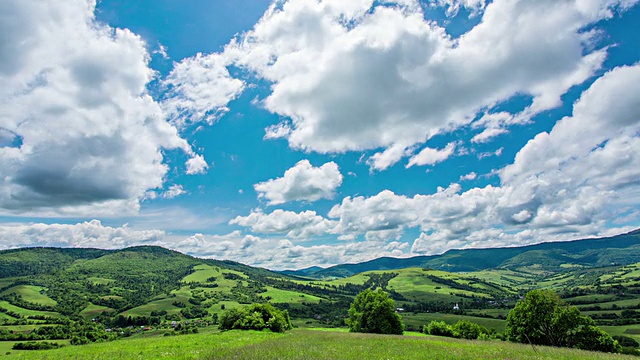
pixel 467 330
pixel 256 317
pixel 629 350
pixel 626 341
pixel 438 328
pixel 591 337
pixel 32 345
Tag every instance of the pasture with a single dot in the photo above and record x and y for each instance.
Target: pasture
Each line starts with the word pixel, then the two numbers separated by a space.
pixel 305 344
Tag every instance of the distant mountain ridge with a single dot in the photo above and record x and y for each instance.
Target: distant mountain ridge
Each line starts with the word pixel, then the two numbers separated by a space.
pixel 619 250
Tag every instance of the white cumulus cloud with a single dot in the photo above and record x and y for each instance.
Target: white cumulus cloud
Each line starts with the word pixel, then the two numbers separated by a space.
pixel 360 76
pixel 565 184
pixel 85 134
pixel 199 88
pixel 86 234
pixel 302 182
pixel 429 156
pixel 295 225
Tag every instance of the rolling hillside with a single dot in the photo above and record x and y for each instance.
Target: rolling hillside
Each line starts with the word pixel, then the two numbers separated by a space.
pixel 553 256
pixel 41 288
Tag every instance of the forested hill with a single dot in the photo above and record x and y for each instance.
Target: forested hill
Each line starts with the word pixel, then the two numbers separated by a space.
pixel 36 261
pixel 114 279
pixel 553 256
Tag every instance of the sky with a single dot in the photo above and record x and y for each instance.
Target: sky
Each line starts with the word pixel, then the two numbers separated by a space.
pixel 299 133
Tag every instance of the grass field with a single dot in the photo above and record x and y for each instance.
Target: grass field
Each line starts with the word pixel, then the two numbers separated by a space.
pixel 286 296
pixel 158 305
pixel 31 293
pixel 93 310
pixel 4 316
pixel 202 273
pixel 4 282
pixel 5 346
pixel 305 344
pixel 22 328
pixel 26 312
pixel 491 312
pixel 414 284
pixel 617 303
pixel 626 330
pixel 418 320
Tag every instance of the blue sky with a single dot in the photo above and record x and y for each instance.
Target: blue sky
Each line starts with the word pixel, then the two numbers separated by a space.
pixel 295 133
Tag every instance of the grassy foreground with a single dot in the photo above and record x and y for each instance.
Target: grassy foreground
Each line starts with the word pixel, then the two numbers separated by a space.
pixel 306 344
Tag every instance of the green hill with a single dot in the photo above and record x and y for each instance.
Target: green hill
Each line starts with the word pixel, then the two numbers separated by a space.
pixel 152 287
pixel 552 256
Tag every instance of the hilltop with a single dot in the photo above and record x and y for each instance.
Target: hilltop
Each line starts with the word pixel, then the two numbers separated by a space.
pixel 550 256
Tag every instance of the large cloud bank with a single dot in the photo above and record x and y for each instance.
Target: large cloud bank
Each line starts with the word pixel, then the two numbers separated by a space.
pixel 78 131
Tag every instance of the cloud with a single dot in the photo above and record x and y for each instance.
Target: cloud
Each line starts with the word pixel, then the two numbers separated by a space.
pixel 383 160
pixel 429 156
pixel 470 176
pixel 491 153
pixel 174 191
pixel 247 249
pixel 359 76
pixel 85 134
pixel 282 253
pixel 277 131
pixel 302 182
pixel 197 165
pixel 384 211
pixel 295 225
pixel 199 88
pixel 87 234
pixel 564 184
pixel 453 6
pixel 488 134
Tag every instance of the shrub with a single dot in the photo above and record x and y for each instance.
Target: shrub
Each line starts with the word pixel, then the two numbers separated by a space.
pixel 32 345
pixel 626 341
pixel 467 330
pixel 591 337
pixel 629 350
pixel 438 328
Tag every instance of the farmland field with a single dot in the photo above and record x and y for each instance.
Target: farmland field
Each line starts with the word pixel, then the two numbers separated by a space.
pixel 26 312
pixel 31 293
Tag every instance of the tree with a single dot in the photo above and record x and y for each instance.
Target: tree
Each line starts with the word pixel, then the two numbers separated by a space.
pixel 530 320
pixel 374 312
pixel 543 319
pixel 256 317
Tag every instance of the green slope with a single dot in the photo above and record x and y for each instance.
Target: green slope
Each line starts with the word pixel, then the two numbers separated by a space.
pixel 553 256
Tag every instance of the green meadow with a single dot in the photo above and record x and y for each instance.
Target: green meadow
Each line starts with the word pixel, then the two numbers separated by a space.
pixel 26 312
pixel 305 344
pixel 35 294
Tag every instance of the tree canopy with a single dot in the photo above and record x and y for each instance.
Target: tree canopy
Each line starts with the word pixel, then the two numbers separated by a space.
pixel 374 312
pixel 256 317
pixel 541 318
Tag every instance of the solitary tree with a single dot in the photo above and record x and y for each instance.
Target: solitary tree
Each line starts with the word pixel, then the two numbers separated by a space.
pixel 531 321
pixel 374 312
pixel 542 319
